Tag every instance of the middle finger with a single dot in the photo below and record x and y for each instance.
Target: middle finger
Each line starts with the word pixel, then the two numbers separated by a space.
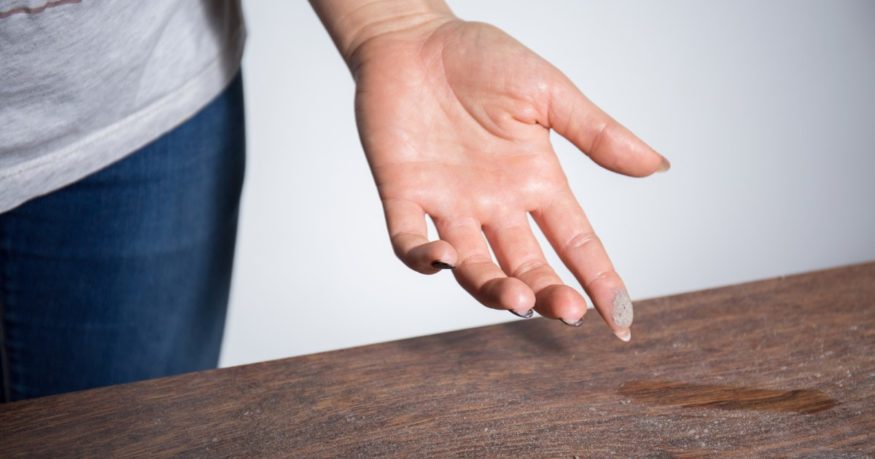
pixel 521 257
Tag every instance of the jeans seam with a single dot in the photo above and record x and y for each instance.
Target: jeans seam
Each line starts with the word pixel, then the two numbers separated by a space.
pixel 6 376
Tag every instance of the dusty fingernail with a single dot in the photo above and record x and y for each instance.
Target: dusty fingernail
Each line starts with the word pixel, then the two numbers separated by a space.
pixel 573 324
pixel 622 313
pixel 441 265
pixel 527 315
pixel 664 165
pixel 624 335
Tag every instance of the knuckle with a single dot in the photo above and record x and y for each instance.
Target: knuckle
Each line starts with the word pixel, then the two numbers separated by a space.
pixel 528 267
pixel 476 259
pixel 581 240
pixel 601 276
pixel 601 133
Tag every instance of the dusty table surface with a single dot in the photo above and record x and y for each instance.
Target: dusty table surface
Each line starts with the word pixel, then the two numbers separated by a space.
pixel 781 367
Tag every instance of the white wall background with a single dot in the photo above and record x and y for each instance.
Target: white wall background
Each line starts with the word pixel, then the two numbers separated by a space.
pixel 764 108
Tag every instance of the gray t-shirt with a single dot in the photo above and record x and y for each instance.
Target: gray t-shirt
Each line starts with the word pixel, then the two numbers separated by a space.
pixel 85 82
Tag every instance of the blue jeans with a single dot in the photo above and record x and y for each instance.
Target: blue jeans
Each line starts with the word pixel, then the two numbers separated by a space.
pixel 124 275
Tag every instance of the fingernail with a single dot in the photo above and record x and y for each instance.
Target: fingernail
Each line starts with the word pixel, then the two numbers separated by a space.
pixel 623 310
pixel 441 265
pixel 573 324
pixel 664 165
pixel 528 314
pixel 624 335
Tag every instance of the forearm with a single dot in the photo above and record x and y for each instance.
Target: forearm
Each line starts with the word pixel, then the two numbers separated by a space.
pixel 352 23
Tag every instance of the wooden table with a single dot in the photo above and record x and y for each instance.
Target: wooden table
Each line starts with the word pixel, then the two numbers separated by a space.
pixel 782 367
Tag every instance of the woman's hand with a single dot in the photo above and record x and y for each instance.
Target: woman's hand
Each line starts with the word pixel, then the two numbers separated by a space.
pixel 454 118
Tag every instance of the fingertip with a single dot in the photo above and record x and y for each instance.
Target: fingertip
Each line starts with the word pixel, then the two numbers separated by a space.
pixel 443 254
pixel 509 293
pixel 616 308
pixel 431 257
pixel 623 152
pixel 660 165
pixel 561 302
pixel 441 265
pixel 664 164
pixel 650 163
pixel 516 295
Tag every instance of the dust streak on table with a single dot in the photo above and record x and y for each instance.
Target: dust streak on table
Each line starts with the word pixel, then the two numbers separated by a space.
pixel 778 367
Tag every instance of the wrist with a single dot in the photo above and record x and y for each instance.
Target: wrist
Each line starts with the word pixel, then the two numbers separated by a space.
pixel 352 25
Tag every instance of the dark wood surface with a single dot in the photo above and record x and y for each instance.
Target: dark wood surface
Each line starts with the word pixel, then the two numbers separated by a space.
pixel 777 368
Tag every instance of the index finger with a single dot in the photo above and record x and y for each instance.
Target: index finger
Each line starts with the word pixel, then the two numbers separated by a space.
pixel 571 235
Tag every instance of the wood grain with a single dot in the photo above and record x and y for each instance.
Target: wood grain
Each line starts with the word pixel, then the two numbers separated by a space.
pixel 777 368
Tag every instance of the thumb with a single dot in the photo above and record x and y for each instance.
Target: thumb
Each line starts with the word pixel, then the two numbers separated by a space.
pixel 601 137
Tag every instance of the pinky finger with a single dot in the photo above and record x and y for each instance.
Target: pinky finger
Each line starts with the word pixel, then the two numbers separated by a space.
pixel 409 235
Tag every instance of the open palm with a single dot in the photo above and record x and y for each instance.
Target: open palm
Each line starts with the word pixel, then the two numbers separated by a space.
pixel 454 118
